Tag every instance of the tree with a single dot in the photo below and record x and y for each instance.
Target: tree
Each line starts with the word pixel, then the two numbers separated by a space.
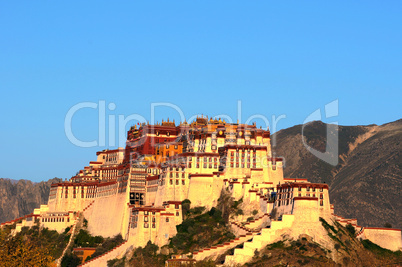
pixel 351 229
pixel 18 251
pixel 70 260
pixel 185 207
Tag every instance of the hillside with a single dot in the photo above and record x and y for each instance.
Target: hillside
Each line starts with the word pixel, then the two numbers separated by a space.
pixel 21 197
pixel 366 184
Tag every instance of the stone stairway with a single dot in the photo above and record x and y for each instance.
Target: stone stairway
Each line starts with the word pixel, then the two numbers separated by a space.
pixel 267 236
pixel 214 251
pixel 253 226
pixel 245 232
pixel 87 207
pixel 73 233
pixel 102 260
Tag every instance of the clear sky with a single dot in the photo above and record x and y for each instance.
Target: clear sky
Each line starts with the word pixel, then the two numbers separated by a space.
pixel 276 57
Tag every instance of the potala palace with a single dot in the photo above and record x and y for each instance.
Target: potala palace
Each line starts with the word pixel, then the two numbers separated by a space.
pixel 137 191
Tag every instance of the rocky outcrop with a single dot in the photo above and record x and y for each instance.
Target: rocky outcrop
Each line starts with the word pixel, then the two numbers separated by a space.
pixel 21 197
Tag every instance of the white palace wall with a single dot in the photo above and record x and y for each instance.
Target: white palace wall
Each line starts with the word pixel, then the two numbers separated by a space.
pixel 106 216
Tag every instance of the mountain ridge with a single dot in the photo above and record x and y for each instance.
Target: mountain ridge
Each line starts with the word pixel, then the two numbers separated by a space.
pixel 366 182
pixel 21 197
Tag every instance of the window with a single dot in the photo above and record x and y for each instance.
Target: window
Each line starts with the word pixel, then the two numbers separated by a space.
pixel 177 213
pixel 308 188
pixel 321 203
pixel 171 182
pixel 321 189
pixel 167 219
pixel 176 206
pixel 299 188
pixel 183 182
pixel 146 225
pixel 153 225
pixel 146 219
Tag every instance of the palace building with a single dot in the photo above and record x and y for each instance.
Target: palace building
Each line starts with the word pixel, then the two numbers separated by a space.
pixel 137 191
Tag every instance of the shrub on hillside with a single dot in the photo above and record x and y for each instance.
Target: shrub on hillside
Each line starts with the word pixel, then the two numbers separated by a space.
pixel 351 229
pixel 200 230
pixel 84 239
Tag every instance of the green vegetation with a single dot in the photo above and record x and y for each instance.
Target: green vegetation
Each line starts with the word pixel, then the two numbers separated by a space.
pixel 278 244
pixel 185 207
pixel 25 250
pixel 327 226
pixel 382 252
pixel 84 239
pixel 45 238
pixel 200 230
pixel 291 253
pixel 228 206
pixel 148 257
pixel 351 230
pixel 107 245
pixel 70 260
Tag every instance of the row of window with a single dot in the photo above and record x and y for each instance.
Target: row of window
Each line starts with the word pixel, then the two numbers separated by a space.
pixel 308 188
pixel 243 165
pixel 59 219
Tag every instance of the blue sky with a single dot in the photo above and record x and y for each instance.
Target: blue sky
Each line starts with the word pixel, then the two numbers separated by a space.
pixel 278 58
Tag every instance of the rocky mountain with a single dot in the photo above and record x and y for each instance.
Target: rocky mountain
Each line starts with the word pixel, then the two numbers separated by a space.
pixel 366 182
pixel 21 197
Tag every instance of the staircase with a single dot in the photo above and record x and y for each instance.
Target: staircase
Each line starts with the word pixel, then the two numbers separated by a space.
pixel 214 251
pixel 268 235
pixel 245 232
pixel 102 260
pixel 73 233
pixel 254 225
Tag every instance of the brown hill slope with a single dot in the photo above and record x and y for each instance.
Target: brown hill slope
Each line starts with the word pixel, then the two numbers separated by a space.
pixel 366 184
pixel 19 198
